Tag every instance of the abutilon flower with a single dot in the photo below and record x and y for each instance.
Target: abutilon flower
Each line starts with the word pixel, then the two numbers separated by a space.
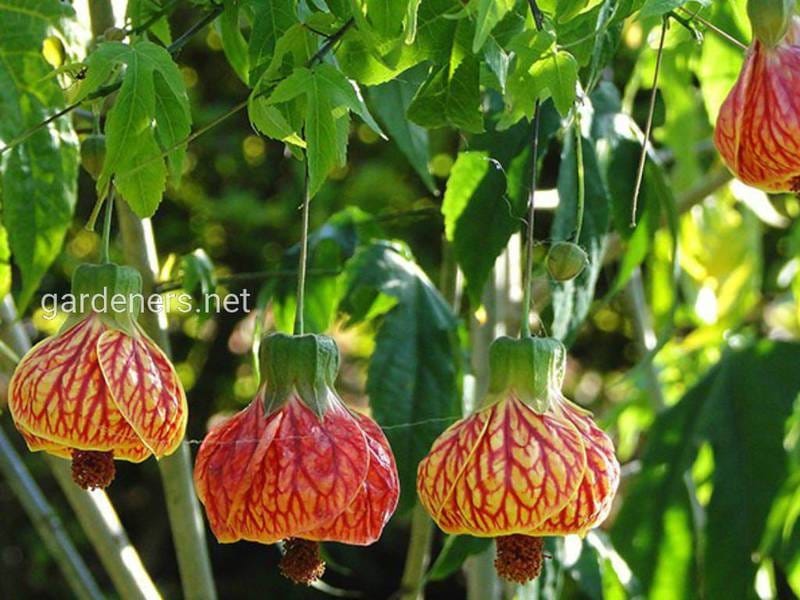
pixel 527 464
pixel 758 127
pixel 100 389
pixel 297 465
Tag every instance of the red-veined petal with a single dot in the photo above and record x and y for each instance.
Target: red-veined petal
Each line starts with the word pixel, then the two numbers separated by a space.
pixel 228 456
pixel 145 388
pixel 363 520
pixel 596 492
pixel 521 468
pixel 301 472
pixel 59 399
pixel 758 127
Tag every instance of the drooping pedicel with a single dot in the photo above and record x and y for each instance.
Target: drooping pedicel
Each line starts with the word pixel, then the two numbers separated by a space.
pixel 100 389
pixel 527 464
pixel 758 127
pixel 297 465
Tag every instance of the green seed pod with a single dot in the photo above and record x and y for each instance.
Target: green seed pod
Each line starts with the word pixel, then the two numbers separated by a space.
pixel 565 261
pixel 93 154
pixel 770 19
pixel 114 34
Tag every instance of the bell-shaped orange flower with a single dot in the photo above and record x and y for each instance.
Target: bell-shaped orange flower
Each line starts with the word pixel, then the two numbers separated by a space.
pixel 527 464
pixel 758 127
pixel 297 464
pixel 100 389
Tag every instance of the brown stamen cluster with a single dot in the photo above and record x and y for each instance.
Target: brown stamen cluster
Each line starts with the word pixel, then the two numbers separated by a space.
pixel 519 557
pixel 301 561
pixel 796 184
pixel 92 469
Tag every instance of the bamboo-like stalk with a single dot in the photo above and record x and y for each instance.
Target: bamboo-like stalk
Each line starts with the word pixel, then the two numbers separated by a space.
pixel 94 510
pixel 418 555
pixel 47 523
pixel 183 508
pixel 102 526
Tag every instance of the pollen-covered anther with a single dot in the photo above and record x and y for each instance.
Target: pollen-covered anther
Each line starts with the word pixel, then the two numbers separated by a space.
pixel 519 557
pixel 92 469
pixel 302 562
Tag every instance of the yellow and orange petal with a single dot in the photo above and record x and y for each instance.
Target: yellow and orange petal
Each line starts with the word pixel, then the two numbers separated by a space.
pixel 223 464
pixel 758 127
pixel 593 501
pixel 363 520
pixel 501 471
pixel 59 399
pixel 145 389
pixel 269 478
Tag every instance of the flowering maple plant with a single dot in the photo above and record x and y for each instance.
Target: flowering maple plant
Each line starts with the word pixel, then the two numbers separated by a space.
pixel 758 127
pixel 297 465
pixel 528 463
pixel 100 389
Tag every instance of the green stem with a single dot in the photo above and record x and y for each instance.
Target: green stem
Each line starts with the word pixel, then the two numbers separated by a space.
pixel 527 279
pixel 105 254
pixel 94 510
pixel 720 32
pixel 581 178
pixel 176 46
pixel 303 262
pixel 9 354
pixel 47 523
pixel 183 509
pixel 649 125
pixel 418 555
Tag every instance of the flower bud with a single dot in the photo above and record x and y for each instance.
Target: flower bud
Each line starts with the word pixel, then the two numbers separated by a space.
pixel 93 154
pixel 770 19
pixel 565 261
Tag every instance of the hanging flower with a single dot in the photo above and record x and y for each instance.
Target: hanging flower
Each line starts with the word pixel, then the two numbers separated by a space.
pixel 527 464
pixel 100 389
pixel 758 127
pixel 297 465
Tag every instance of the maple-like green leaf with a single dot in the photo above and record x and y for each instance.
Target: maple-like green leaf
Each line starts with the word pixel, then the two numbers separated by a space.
pixel 150 117
pixel 328 97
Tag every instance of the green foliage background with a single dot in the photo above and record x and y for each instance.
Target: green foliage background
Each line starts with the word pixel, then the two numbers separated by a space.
pixel 414 116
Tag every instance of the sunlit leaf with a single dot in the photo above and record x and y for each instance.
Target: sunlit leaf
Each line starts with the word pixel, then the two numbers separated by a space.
pixel 38 176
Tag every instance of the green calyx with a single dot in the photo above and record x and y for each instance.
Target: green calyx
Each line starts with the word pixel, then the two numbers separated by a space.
pixel 531 367
pixel 112 291
pixel 770 19
pixel 303 364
